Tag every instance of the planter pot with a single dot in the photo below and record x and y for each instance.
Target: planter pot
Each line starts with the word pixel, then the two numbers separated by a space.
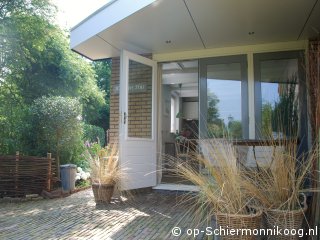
pixel 102 192
pixel 284 219
pixel 291 220
pixel 232 222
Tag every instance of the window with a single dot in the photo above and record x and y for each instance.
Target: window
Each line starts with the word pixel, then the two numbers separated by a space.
pixel 277 94
pixel 224 98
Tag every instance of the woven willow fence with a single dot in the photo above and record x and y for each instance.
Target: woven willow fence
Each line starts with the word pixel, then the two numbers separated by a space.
pixel 23 175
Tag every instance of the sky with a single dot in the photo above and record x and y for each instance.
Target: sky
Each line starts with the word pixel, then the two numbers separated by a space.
pixel 71 12
pixel 230 100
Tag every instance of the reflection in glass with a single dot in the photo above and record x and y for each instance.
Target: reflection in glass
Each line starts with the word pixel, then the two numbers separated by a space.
pixel 224 100
pixel 279 102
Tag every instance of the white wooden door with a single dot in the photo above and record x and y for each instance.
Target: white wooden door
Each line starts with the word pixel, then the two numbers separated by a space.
pixel 137 140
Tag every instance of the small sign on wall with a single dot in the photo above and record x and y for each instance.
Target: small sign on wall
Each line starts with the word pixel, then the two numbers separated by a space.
pixel 133 88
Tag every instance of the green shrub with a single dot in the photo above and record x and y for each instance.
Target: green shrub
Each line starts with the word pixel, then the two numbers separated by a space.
pixel 93 133
pixel 55 125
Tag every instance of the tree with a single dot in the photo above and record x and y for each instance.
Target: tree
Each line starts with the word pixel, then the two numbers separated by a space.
pixel 56 124
pixel 41 8
pixel 213 111
pixel 10 12
pixel 234 128
pixel 266 116
pixel 103 74
pixel 36 62
pixel 215 125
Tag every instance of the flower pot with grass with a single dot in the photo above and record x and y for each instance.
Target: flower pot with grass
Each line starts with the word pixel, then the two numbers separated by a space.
pixel 221 196
pixel 280 187
pixel 105 173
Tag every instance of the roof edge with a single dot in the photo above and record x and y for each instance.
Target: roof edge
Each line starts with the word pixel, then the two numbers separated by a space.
pixel 93 14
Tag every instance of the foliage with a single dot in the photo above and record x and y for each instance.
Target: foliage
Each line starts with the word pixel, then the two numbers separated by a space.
pixel 266 116
pixel 12 113
pixel 103 74
pixel 216 130
pixel 215 125
pixel 281 118
pixel 55 123
pixel 82 183
pixel 46 66
pixel 93 133
pixel 41 8
pixel 93 149
pixel 23 27
pixel 36 61
pixel 285 113
pixel 103 71
pixel 235 129
pixel 213 111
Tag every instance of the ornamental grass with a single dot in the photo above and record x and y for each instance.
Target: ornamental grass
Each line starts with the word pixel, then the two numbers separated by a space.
pixel 104 165
pixel 220 182
pixel 281 184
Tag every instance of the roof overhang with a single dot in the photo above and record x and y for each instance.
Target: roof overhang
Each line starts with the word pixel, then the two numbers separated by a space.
pixel 163 26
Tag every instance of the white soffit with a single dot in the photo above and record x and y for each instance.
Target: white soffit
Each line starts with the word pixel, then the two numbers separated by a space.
pixel 144 26
pixel 223 23
pixel 96 48
pixel 163 26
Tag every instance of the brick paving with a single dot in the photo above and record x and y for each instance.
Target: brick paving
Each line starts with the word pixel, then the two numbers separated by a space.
pixel 148 216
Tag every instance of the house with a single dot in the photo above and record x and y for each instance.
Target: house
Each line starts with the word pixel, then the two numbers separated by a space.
pixel 199 65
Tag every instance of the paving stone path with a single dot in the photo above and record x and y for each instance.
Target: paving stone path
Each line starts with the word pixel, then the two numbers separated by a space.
pixel 148 216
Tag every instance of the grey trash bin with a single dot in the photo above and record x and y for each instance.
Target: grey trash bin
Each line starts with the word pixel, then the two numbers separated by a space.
pixel 68 176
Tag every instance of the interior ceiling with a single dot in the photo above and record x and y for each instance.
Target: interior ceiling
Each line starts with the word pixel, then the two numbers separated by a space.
pixel 178 25
pixel 182 77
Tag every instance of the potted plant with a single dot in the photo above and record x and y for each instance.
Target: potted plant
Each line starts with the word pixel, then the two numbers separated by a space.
pixel 280 187
pixel 105 172
pixel 221 194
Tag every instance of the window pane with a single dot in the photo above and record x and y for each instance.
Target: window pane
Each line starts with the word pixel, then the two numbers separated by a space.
pixel 224 100
pixel 140 100
pixel 279 101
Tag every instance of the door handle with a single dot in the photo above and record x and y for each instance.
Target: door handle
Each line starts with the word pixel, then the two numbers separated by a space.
pixel 124 117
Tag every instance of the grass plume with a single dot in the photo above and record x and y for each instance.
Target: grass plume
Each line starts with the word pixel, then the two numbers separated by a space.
pixel 104 165
pixel 221 187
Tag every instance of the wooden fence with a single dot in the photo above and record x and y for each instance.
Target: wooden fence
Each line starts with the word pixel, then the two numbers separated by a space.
pixel 22 175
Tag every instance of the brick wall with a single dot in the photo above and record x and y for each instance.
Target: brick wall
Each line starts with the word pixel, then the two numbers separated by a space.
pixel 114 101
pixel 140 101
